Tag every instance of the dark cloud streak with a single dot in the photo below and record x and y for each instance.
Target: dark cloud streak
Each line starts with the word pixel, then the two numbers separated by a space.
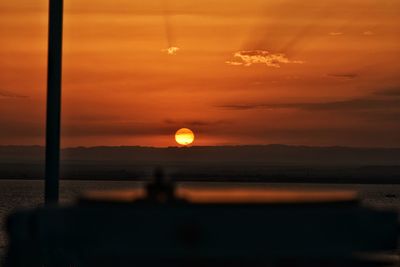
pixel 198 123
pixel 8 94
pixel 389 92
pixel 378 100
pixel 348 75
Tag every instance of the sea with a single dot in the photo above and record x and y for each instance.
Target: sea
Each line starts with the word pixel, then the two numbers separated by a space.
pixel 21 194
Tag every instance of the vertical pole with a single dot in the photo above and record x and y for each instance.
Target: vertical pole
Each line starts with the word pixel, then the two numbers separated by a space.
pixel 53 116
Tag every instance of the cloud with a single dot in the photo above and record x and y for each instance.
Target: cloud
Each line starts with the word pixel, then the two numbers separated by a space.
pixel 250 57
pixel 234 63
pixel 240 106
pixel 389 92
pixel 8 94
pixel 343 75
pixel 387 116
pixel 376 101
pixel 351 104
pixel 197 123
pixel 134 129
pixel 336 33
pixel 118 128
pixel 171 50
pixel 368 33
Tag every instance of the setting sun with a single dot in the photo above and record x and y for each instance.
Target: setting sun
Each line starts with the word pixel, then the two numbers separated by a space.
pixel 184 136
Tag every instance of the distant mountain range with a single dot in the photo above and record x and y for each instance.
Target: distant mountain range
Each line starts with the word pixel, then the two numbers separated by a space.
pixel 269 154
pixel 250 163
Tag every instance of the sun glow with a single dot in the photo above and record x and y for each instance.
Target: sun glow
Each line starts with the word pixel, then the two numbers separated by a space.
pixel 184 136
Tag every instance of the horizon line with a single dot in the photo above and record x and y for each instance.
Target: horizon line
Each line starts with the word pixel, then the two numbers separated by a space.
pixel 209 146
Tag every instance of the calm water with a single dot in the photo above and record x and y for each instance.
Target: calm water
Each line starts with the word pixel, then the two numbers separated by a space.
pixel 26 193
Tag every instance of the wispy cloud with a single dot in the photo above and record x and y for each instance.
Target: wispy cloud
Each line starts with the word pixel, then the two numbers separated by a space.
pixel 379 100
pixel 368 33
pixel 8 94
pixel 198 123
pixel 171 50
pixel 250 57
pixel 335 33
pixel 389 92
pixel 351 104
pixel 345 75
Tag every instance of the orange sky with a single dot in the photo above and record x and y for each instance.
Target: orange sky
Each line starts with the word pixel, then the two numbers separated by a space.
pixel 246 72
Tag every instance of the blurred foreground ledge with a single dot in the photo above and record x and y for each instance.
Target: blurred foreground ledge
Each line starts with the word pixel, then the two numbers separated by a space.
pixel 161 225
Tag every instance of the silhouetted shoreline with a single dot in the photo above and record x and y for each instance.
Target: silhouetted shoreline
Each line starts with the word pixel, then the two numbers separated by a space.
pixel 263 163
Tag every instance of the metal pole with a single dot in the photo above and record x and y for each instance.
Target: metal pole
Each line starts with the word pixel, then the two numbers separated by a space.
pixel 53 115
